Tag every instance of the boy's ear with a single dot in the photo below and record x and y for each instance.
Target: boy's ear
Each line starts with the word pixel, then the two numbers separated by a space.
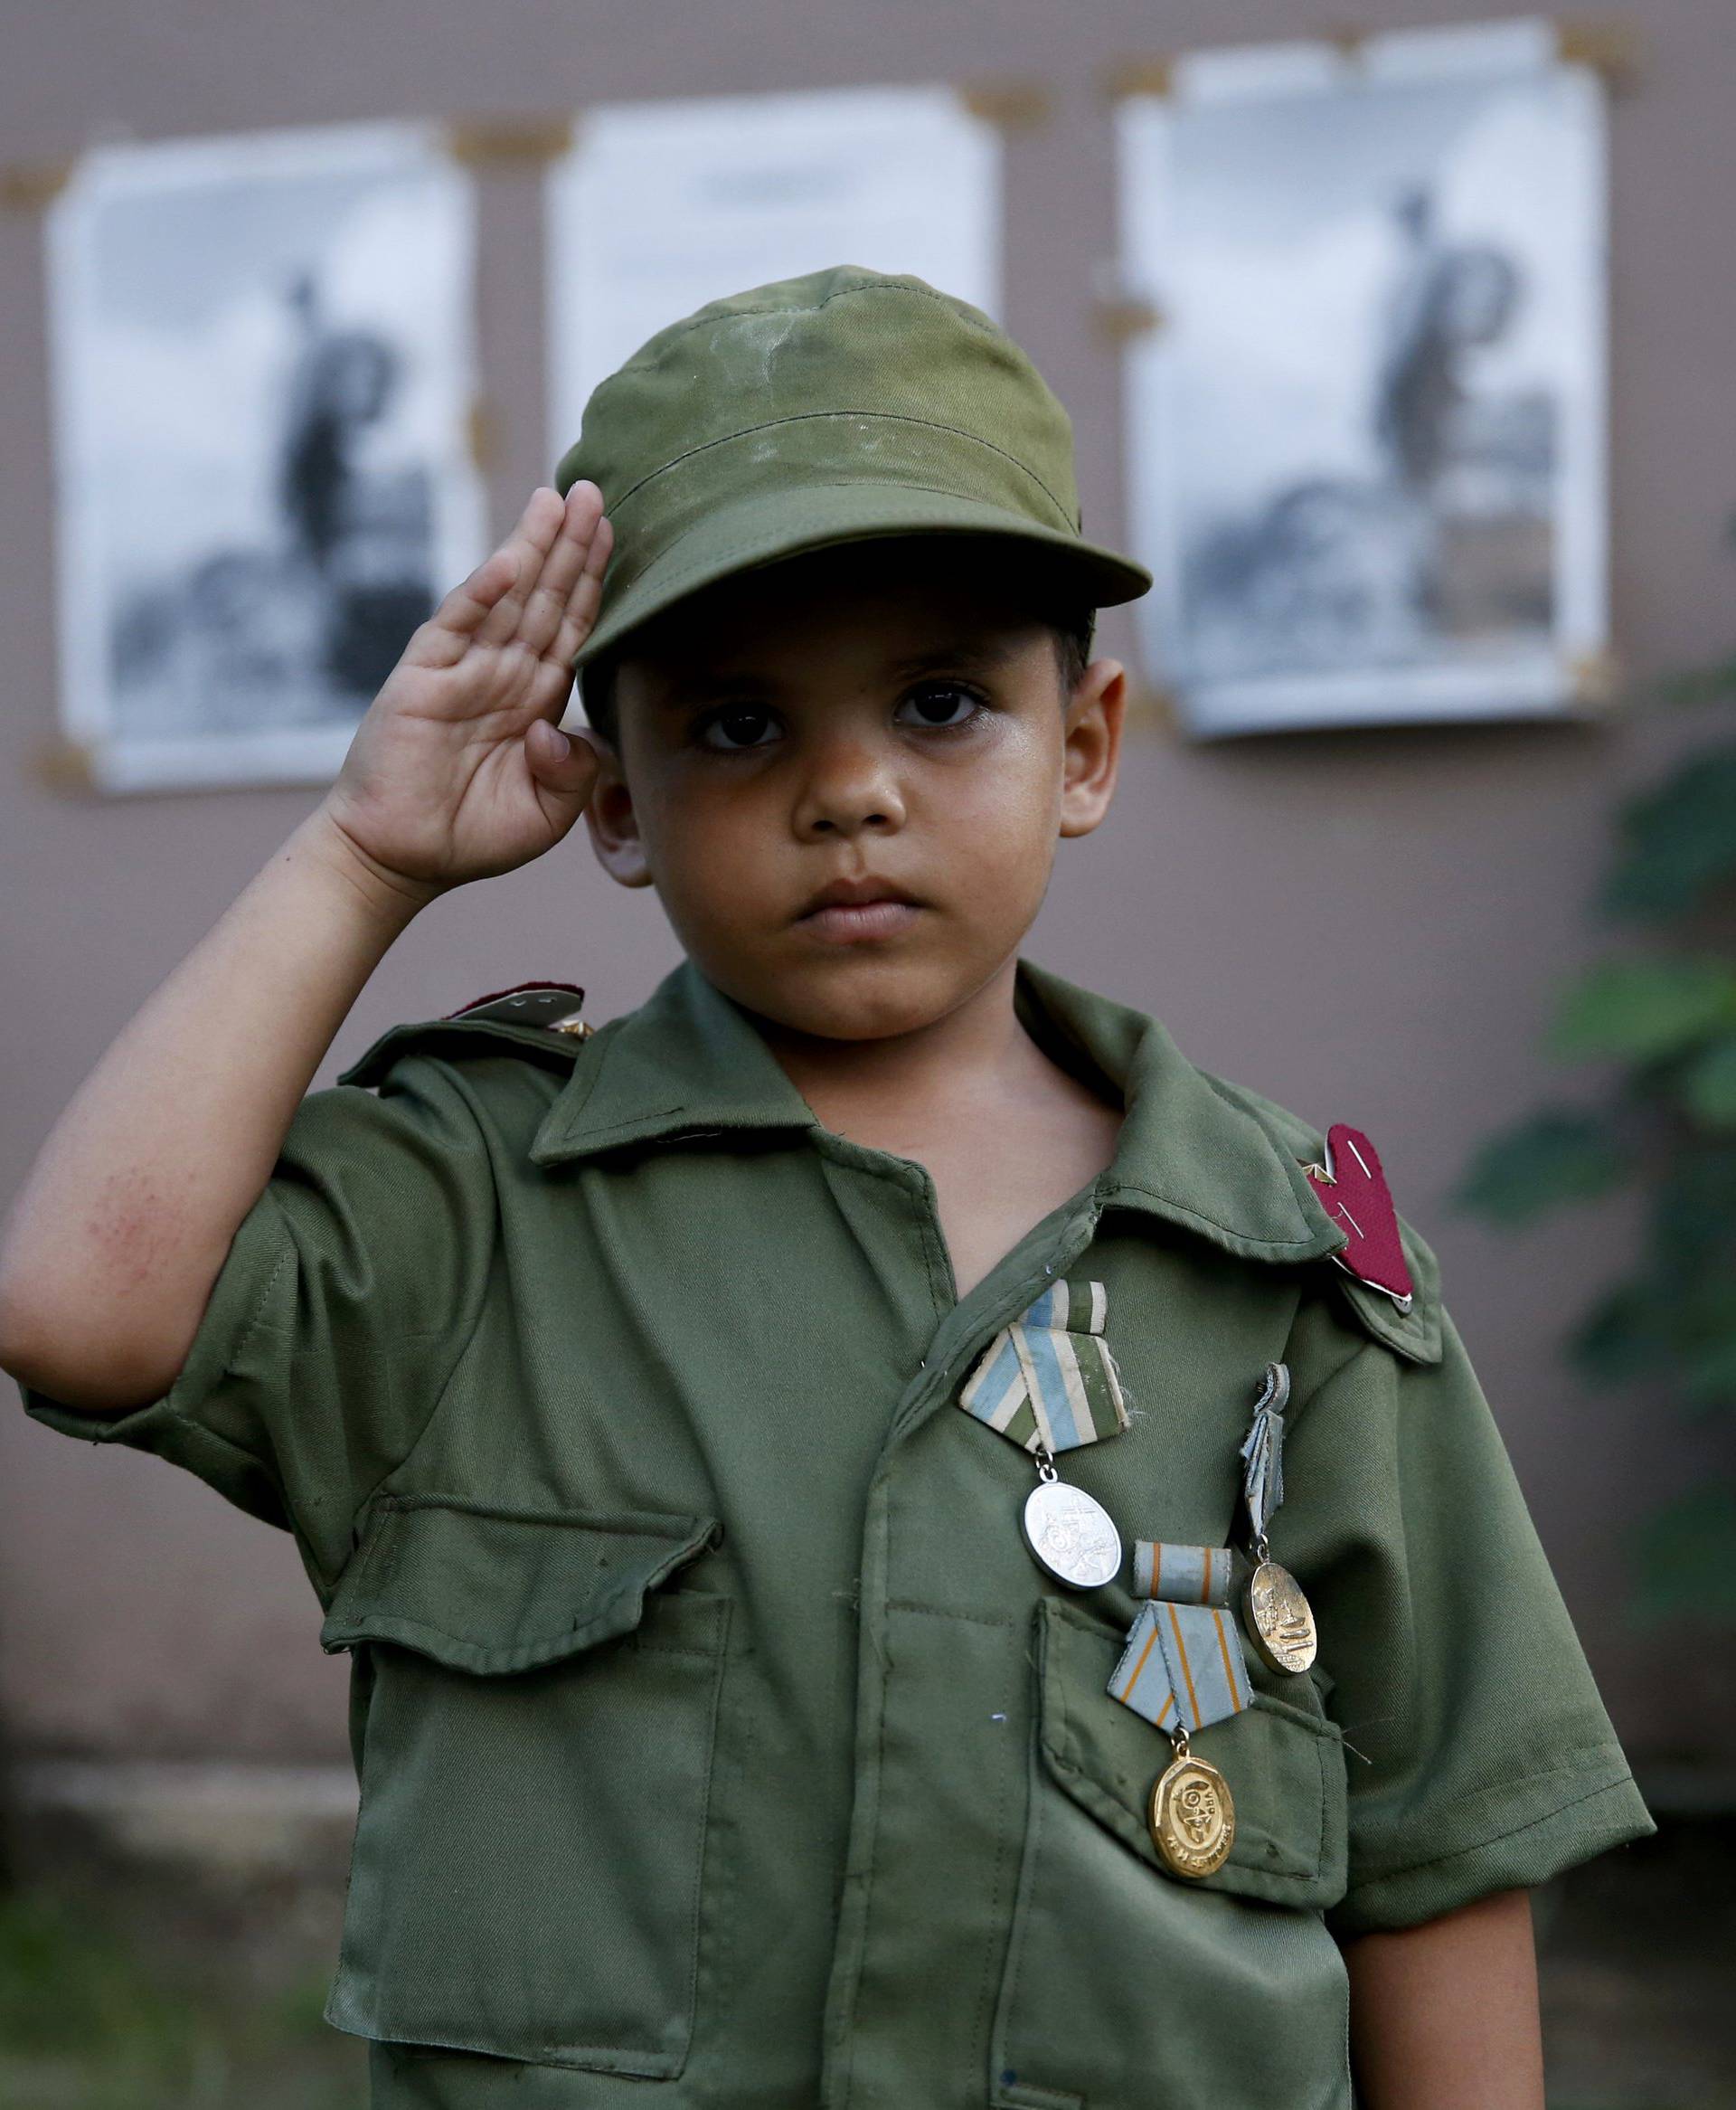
pixel 613 822
pixel 1092 745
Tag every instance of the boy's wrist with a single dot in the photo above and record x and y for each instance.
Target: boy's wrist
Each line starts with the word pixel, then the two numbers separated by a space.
pixel 389 901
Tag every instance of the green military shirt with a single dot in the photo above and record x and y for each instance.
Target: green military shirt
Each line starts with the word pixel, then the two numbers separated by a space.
pixel 719 1741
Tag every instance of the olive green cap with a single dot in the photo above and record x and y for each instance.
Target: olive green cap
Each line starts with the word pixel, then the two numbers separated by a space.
pixel 835 408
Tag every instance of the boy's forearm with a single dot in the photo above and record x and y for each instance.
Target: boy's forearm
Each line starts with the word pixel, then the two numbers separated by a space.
pixel 1444 2016
pixel 122 1226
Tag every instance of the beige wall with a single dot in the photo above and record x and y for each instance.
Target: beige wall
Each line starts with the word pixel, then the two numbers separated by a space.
pixel 1365 926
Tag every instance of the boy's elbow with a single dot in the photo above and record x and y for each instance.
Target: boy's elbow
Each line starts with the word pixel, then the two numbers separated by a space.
pixel 72 1363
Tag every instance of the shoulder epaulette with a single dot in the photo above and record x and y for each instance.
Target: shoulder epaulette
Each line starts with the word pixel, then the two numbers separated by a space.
pixel 538 1019
pixel 555 1006
pixel 1411 1329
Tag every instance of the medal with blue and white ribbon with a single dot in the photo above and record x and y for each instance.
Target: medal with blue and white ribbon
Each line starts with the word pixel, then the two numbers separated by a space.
pixel 1048 1383
pixel 1278 1615
pixel 1182 1670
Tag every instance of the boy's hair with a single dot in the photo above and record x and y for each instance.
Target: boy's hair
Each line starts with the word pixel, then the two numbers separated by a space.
pixel 1072 634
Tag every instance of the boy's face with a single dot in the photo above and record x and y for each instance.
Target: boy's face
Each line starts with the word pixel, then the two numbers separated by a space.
pixel 846 775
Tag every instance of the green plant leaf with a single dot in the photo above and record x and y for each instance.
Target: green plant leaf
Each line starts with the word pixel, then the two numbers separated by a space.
pixel 1673 1326
pixel 1540 1163
pixel 1708 1087
pixel 1643 1011
pixel 1678 840
pixel 1708 1370
pixel 1693 1228
pixel 1683 1557
pixel 1703 1324
pixel 1700 685
pixel 1626 1336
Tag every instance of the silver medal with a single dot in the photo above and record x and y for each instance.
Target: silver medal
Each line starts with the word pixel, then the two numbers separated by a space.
pixel 1071 1535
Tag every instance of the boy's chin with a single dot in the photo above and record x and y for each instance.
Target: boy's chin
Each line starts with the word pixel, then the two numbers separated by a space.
pixel 856 1000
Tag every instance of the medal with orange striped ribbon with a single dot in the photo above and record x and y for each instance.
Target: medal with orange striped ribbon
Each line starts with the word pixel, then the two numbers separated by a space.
pixel 1182 1668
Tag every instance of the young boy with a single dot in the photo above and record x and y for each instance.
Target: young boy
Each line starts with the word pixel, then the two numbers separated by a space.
pixel 731 1712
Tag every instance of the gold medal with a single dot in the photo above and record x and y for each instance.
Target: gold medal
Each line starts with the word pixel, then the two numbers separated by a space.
pixel 1192 1814
pixel 1280 1619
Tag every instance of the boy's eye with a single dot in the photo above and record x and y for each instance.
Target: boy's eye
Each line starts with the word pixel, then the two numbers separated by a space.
pixel 938 703
pixel 742 725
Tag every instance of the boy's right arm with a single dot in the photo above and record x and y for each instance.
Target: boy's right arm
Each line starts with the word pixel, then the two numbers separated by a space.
pixel 459 771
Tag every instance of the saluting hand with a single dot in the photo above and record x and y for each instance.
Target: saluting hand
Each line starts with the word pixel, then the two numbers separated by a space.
pixel 459 771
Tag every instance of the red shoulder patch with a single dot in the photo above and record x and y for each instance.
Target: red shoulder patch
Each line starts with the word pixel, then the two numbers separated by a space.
pixel 1353 1192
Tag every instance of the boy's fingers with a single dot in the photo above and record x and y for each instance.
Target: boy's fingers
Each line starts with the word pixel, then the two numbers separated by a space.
pixel 446 633
pixel 530 542
pixel 546 601
pixel 559 762
pixel 579 617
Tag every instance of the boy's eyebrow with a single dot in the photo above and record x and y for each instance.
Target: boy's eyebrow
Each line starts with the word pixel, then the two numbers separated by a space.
pixel 682 687
pixel 974 655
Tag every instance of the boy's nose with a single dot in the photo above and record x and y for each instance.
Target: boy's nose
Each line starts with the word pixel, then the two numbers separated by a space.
pixel 851 787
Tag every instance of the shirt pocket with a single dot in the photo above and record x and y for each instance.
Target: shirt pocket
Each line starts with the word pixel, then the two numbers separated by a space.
pixel 1126 1983
pixel 1283 1759
pixel 537 1715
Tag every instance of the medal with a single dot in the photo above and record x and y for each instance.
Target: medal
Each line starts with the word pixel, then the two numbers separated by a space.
pixel 1274 1609
pixel 1070 1533
pixel 1279 1618
pixel 1185 1668
pixel 1182 1670
pixel 1191 1815
pixel 1049 1383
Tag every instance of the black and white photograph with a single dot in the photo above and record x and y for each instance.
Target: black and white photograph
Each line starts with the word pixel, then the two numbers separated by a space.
pixel 263 376
pixel 662 206
pixel 1367 445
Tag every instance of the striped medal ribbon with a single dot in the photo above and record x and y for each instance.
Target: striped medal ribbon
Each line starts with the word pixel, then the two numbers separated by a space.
pixel 1187 1575
pixel 1048 1383
pixel 1182 1670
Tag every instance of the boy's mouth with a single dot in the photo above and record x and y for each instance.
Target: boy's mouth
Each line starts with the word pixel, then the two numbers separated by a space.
pixel 851 910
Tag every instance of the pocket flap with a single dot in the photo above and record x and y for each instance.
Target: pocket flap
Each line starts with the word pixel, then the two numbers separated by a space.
pixel 496 1590
pixel 1284 1763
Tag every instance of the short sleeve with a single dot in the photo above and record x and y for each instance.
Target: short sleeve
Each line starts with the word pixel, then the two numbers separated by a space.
pixel 1480 1757
pixel 348 1293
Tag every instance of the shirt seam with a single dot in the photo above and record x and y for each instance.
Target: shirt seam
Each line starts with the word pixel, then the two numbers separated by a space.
pixel 440 1398
pixel 1570 1768
pixel 863 1930
pixel 602 1131
pixel 602 1050
pixel 1211 1223
pixel 888 417
pixel 360 1508
pixel 1358 1349
pixel 1002 1621
pixel 250 1326
pixel 1375 1880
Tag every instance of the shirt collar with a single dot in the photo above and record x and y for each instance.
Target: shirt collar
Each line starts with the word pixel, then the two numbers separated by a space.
pixel 687 1062
pixel 690 1063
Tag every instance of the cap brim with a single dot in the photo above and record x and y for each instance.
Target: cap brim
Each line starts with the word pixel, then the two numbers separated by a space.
pixel 771 525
